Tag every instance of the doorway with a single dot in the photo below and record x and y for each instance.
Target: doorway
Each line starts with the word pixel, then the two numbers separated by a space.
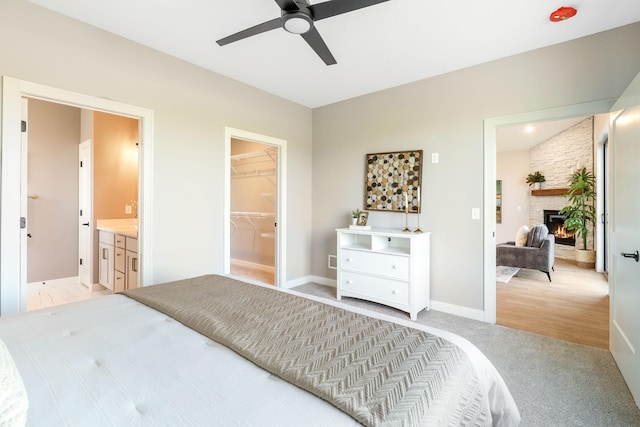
pixel 253 203
pixel 71 185
pixel 255 200
pixel 490 156
pixel 13 278
pixel 574 306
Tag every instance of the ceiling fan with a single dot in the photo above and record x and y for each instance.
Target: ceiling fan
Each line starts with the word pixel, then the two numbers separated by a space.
pixel 298 16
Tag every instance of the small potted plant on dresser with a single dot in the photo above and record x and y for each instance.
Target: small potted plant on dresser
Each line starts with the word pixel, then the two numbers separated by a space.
pixel 581 213
pixel 354 216
pixel 536 179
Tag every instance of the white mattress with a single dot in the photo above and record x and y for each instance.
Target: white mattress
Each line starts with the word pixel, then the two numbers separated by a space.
pixel 113 361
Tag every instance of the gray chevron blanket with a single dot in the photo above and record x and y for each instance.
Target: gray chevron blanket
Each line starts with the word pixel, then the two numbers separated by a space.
pixel 379 372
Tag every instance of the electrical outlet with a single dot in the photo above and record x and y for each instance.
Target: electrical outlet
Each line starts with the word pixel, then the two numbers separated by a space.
pixel 127 209
pixel 434 158
pixel 475 213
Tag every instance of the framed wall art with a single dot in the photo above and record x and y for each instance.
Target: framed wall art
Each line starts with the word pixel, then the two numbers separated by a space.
pixel 392 181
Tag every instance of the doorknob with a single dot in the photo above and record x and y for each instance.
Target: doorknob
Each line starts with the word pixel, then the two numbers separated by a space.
pixel 86 224
pixel 634 255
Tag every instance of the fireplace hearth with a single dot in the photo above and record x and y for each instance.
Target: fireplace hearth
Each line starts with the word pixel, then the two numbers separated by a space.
pixel 555 223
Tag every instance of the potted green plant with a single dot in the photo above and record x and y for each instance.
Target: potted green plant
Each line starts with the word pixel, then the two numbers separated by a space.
pixel 536 179
pixel 354 216
pixel 580 215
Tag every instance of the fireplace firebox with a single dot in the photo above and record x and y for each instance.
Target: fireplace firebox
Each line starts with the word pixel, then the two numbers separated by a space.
pixel 555 223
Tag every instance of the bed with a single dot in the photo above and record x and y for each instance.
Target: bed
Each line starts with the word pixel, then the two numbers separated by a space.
pixel 215 351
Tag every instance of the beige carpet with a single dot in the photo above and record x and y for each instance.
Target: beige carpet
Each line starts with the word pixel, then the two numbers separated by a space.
pixel 555 383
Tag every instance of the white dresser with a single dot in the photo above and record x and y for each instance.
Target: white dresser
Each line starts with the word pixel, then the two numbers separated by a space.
pixel 385 266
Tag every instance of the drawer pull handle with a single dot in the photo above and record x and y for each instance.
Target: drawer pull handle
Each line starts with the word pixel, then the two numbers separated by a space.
pixel 348 259
pixel 395 267
pixel 395 291
pixel 349 282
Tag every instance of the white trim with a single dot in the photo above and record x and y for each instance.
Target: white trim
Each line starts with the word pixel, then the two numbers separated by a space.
pixel 281 203
pixel 490 125
pixel 12 92
pixel 310 279
pixel 458 310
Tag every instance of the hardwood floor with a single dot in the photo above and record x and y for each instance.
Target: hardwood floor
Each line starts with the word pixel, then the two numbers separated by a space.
pixel 573 307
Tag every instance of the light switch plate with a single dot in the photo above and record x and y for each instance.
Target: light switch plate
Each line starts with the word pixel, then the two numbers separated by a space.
pixel 434 157
pixel 475 213
pixel 127 209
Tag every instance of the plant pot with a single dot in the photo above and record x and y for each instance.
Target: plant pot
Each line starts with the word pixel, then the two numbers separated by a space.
pixel 586 258
pixel 354 221
pixel 537 185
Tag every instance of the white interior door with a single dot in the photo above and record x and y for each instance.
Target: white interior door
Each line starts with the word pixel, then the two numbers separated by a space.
pixel 624 268
pixel 85 205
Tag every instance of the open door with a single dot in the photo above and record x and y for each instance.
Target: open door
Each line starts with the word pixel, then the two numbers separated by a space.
pixel 624 267
pixel 85 205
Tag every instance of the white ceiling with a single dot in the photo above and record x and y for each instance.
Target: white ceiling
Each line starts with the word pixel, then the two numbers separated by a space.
pixel 382 46
pixel 516 137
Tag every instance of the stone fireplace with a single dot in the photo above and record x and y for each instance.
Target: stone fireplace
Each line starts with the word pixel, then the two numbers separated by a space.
pixel 557 158
pixel 555 223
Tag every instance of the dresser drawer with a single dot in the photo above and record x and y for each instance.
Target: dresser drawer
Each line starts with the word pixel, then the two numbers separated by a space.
pixel 393 266
pixel 375 288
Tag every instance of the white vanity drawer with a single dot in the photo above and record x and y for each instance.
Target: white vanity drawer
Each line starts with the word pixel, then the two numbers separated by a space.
pixel 376 288
pixel 394 266
pixel 106 237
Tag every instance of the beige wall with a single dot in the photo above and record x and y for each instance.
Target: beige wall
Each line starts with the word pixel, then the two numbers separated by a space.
pixel 192 107
pixel 54 135
pixel 512 168
pixel 115 168
pixel 445 115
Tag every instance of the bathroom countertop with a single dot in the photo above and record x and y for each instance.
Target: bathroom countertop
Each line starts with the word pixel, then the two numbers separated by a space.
pixel 126 227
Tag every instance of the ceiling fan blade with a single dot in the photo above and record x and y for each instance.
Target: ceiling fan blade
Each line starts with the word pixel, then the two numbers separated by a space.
pixel 319 46
pixel 260 28
pixel 288 5
pixel 337 7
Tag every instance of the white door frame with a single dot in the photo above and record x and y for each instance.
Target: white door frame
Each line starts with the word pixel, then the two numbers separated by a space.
pixel 490 125
pixel 13 90
pixel 281 202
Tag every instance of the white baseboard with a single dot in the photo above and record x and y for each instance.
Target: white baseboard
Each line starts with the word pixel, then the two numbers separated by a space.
pixel 308 279
pixel 253 265
pixel 458 310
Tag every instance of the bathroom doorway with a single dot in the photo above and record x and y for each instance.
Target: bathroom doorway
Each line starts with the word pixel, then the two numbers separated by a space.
pixel 81 166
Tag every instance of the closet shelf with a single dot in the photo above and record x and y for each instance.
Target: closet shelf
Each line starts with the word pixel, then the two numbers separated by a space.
pixel 270 153
pixel 253 215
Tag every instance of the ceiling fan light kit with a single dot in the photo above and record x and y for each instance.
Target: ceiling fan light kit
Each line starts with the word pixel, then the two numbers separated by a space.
pixel 298 17
pixel 563 13
pixel 297 22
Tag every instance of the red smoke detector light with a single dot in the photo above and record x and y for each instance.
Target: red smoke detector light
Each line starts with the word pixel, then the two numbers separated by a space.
pixel 563 13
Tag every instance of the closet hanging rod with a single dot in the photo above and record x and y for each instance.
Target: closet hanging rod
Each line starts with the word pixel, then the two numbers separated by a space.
pixel 253 154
